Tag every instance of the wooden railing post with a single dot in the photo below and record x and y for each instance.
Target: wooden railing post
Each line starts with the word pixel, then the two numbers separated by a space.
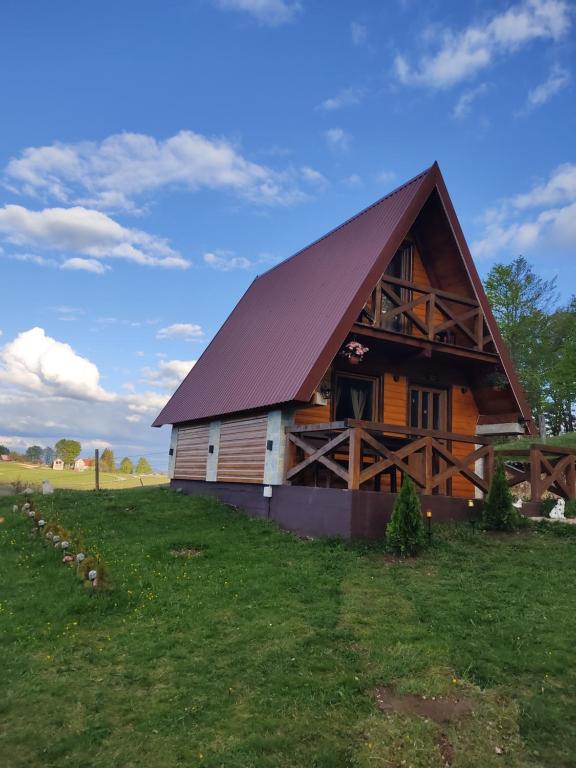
pixel 535 472
pixel 428 471
pixel 354 458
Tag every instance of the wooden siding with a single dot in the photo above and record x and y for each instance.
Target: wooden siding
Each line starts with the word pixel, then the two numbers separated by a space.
pixel 464 421
pixel 420 277
pixel 316 414
pixel 242 450
pixel 395 400
pixel 191 452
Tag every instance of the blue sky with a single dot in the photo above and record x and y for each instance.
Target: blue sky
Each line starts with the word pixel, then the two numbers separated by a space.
pixel 156 156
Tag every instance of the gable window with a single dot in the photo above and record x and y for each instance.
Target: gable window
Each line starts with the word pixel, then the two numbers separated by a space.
pixel 400 267
pixel 355 398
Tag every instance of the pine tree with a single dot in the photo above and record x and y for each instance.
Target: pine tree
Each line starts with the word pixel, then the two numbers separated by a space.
pixel 498 513
pixel 143 467
pixel 405 533
pixel 126 466
pixel 107 462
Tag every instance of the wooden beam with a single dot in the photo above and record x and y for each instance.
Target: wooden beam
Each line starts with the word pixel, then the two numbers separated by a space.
pixel 430 289
pixel 318 455
pixel 452 350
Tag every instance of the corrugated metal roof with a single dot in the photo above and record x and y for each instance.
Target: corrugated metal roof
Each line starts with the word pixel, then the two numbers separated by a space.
pixel 283 333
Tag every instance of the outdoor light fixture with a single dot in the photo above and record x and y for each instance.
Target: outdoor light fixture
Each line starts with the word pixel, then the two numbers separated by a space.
pixel 210 449
pixel 429 520
pixel 396 377
pixel 464 390
pixel 269 445
pixel 471 502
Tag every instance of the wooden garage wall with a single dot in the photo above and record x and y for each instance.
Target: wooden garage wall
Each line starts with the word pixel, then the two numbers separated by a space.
pixel 242 450
pixel 191 452
pixel 464 421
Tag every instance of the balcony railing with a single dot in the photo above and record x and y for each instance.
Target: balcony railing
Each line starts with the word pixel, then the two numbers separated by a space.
pixel 400 306
pixel 367 455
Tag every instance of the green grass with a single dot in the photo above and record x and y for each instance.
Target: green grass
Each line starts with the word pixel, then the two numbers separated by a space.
pixel 11 472
pixel 567 440
pixel 265 649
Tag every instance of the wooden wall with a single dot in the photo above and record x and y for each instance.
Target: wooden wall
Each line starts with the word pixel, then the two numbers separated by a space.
pixel 316 414
pixel 464 421
pixel 191 452
pixel 242 450
pixel 395 400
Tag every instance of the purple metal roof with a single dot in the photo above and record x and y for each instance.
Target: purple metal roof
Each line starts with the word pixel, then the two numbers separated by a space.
pixel 283 333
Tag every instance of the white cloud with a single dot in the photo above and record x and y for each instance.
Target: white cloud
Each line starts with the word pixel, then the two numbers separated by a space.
pixel 186 331
pixel 359 33
pixel 345 98
pixel 225 261
pixel 45 386
pixel 87 232
pixel 337 138
pixel 272 13
pixel 556 81
pixel 312 176
pixel 33 258
pixel 168 375
pixel 544 217
pixel 38 363
pixel 385 177
pixel 85 265
pixel 461 55
pixel 464 104
pixel 354 180
pixel 113 174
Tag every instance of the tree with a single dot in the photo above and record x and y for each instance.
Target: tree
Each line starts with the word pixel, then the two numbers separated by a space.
pixel 107 462
pixel 521 302
pixel 498 512
pixel 561 381
pixel 405 532
pixel 68 450
pixel 34 453
pixel 143 467
pixel 126 466
pixel 48 455
pixel 4 451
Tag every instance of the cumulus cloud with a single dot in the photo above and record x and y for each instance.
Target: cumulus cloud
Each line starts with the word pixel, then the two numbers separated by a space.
pixel 545 216
pixel 461 55
pixel 45 386
pixel 554 83
pixel 337 138
pixel 345 98
pixel 91 233
pixel 225 261
pixel 38 363
pixel 113 174
pixel 168 375
pixel 186 331
pixel 272 13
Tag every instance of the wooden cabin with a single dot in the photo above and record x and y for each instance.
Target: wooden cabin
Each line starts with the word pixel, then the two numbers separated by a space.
pixel 370 355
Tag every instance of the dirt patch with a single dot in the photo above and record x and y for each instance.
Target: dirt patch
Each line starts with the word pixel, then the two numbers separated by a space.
pixel 440 710
pixel 186 552
pixel 446 750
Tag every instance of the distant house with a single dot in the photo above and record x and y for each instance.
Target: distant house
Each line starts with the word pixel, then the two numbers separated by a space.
pixel 58 464
pixel 4 457
pixel 80 465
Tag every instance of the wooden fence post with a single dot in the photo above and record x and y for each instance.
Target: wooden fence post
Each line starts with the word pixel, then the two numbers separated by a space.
pixel 97 468
pixel 535 472
pixel 354 452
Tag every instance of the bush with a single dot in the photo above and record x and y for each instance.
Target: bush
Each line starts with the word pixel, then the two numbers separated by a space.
pixel 405 533
pixel 570 509
pixel 546 506
pixel 498 513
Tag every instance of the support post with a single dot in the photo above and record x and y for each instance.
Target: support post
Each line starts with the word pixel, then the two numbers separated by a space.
pixel 354 458
pixel 535 472
pixel 97 468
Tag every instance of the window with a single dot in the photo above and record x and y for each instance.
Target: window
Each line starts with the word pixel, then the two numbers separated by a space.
pixel 401 268
pixel 355 398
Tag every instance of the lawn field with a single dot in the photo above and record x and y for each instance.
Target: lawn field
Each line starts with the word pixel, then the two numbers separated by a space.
pixel 264 650
pixel 11 472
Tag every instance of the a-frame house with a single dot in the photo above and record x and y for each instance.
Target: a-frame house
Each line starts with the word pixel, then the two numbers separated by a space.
pixel 282 417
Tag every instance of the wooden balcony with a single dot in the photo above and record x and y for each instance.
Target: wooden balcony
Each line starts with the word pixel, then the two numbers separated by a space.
pixel 358 455
pixel 427 317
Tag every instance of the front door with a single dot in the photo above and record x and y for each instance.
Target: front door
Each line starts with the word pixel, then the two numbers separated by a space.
pixel 429 410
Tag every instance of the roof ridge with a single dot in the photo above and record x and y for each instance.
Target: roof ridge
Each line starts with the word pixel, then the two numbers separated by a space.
pixel 349 221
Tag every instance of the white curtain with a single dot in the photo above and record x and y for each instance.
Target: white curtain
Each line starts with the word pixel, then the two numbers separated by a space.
pixel 358 397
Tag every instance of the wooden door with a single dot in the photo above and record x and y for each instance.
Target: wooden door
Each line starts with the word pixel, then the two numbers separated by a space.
pixel 428 409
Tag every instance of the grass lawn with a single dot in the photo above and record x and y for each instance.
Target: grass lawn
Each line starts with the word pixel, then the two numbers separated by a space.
pixel 567 440
pixel 11 472
pixel 265 650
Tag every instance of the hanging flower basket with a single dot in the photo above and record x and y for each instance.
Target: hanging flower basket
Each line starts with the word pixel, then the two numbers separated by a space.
pixel 354 352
